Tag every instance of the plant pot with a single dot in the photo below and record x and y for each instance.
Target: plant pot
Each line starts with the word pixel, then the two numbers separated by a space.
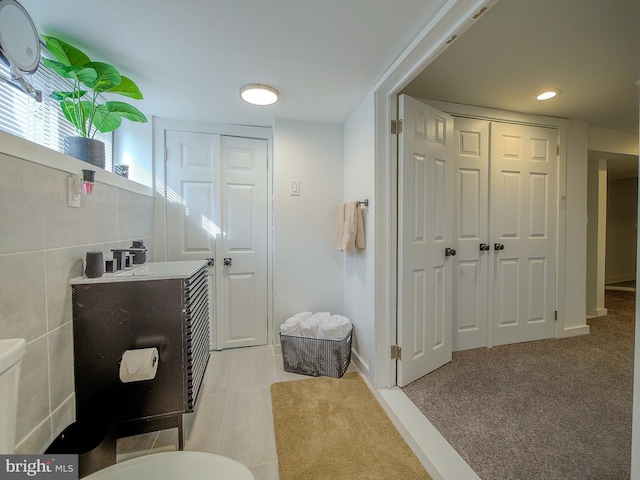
pixel 86 149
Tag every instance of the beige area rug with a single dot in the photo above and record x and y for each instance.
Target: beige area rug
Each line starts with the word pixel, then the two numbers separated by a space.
pixel 334 428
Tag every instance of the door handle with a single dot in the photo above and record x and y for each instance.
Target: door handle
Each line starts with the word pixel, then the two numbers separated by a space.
pixel 485 247
pixel 450 252
pixel 227 262
pixel 498 246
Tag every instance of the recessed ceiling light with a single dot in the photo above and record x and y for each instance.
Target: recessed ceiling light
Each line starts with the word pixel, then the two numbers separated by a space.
pixel 548 94
pixel 257 94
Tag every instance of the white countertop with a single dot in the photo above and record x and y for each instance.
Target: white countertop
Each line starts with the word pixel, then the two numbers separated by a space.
pixel 146 271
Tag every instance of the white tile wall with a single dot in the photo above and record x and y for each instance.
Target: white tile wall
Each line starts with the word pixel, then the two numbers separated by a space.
pixel 43 243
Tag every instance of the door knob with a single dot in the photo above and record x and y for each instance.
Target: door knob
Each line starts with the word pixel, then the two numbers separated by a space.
pixel 227 262
pixel 484 247
pixel 211 262
pixel 450 252
pixel 498 246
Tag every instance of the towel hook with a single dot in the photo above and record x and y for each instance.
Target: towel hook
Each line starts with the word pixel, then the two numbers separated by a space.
pixel 364 202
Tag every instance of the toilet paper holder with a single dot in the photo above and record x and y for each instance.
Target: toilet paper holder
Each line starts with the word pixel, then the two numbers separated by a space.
pixel 139 365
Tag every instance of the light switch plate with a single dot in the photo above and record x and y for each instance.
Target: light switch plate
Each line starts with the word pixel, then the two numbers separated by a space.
pixel 295 188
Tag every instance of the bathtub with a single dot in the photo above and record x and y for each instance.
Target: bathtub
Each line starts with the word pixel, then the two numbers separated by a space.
pixel 175 465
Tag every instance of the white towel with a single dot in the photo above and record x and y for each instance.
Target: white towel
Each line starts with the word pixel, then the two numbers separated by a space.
pixel 349 227
pixel 309 326
pixel 360 241
pixel 335 327
pixel 291 326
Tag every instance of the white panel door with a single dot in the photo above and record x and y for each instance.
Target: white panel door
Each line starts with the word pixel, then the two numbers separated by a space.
pixel 472 264
pixel 216 197
pixel 191 194
pixel 191 201
pixel 523 226
pixel 425 231
pixel 242 259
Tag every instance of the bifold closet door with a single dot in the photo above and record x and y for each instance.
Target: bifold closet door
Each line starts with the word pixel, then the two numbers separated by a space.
pixel 505 233
pixel 523 210
pixel 216 207
pixel 471 279
pixel 242 247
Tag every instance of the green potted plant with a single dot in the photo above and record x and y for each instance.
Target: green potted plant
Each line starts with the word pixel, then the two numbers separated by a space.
pixel 82 105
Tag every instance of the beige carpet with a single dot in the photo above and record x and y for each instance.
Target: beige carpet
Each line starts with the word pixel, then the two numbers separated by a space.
pixel 334 428
pixel 557 409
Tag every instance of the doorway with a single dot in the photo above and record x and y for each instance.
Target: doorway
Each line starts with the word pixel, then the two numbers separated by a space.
pixel 621 228
pixel 476 235
pixel 612 226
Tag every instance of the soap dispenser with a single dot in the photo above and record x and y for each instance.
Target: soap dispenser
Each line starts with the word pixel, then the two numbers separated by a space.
pixel 140 251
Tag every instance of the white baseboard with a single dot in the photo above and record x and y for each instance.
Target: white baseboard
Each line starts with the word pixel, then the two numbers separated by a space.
pixel 362 366
pixel 597 312
pixel 574 331
pixel 619 279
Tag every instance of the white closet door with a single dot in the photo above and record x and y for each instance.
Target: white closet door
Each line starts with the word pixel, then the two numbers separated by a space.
pixel 191 202
pixel 216 197
pixel 425 231
pixel 242 251
pixel 473 262
pixel 191 194
pixel 523 226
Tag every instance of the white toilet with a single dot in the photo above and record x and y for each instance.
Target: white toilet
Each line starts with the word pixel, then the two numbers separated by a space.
pixel 172 465
pixel 159 466
pixel 11 353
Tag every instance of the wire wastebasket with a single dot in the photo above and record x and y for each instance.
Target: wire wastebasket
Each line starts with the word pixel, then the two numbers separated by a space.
pixel 316 357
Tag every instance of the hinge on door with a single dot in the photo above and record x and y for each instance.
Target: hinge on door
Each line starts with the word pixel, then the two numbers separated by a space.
pixel 396 127
pixel 396 352
pixel 558 150
pixel 166 154
pixel 555 315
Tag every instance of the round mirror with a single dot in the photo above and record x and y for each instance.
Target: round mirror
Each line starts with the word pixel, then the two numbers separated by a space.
pixel 19 40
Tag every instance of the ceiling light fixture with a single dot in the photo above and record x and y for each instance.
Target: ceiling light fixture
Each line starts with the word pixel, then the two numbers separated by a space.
pixel 548 94
pixel 258 94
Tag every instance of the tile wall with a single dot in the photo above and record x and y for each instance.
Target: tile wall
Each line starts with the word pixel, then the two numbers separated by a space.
pixel 43 243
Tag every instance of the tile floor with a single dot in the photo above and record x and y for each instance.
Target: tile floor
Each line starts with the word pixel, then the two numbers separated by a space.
pixel 233 416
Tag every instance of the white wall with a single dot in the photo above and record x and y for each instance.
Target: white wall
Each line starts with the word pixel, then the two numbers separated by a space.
pixel 132 145
pixel 611 141
pixel 359 266
pixel 622 206
pixel 572 282
pixel 596 235
pixel 635 438
pixel 307 272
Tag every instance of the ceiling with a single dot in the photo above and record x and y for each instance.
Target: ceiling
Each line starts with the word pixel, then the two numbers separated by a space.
pixel 191 58
pixel 590 49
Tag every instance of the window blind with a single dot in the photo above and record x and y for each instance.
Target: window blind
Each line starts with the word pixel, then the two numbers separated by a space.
pixel 41 122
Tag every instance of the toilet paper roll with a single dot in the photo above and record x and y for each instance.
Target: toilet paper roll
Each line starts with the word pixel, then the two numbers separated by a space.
pixel 138 365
